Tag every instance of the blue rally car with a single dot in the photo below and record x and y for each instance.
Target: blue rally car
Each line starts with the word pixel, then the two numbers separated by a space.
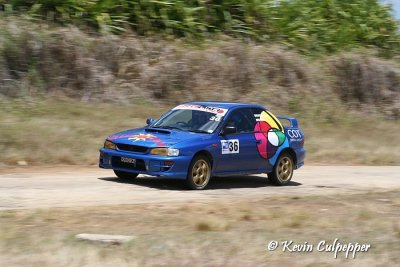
pixel 197 140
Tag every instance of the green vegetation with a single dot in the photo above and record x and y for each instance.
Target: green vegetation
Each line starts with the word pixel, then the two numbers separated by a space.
pixel 310 26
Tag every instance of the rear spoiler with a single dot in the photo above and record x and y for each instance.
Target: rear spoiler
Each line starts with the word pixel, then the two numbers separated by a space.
pixel 292 121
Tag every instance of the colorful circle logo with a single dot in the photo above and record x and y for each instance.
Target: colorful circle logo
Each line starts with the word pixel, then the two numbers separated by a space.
pixel 270 134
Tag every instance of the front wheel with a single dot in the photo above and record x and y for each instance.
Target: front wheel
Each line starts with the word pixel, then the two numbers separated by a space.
pixel 125 175
pixel 199 173
pixel 283 170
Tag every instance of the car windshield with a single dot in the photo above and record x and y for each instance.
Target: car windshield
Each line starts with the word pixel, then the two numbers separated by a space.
pixel 193 118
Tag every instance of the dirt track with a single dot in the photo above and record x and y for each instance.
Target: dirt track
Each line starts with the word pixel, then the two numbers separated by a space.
pixel 86 186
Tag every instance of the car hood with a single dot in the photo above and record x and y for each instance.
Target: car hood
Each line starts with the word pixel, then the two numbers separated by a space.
pixel 151 137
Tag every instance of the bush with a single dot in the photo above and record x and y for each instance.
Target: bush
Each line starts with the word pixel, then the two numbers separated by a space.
pixel 362 80
pixel 323 26
pixel 68 62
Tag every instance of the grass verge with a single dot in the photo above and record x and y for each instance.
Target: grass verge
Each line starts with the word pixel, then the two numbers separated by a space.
pixel 69 132
pixel 190 233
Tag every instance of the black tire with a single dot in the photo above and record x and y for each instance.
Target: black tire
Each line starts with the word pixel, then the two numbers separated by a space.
pixel 199 173
pixel 283 170
pixel 125 175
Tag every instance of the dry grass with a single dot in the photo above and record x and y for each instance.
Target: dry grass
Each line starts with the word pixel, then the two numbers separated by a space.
pixel 63 132
pixel 354 140
pixel 67 132
pixel 212 224
pixel 170 234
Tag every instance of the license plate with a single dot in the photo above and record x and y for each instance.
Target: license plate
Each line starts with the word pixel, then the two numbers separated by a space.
pixel 128 160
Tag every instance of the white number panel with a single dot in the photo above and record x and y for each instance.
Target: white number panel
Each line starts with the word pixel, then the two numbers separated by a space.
pixel 230 146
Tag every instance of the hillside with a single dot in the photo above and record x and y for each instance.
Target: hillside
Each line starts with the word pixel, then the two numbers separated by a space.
pixel 70 86
pixel 40 61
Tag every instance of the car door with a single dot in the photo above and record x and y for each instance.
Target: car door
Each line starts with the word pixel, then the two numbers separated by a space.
pixel 238 151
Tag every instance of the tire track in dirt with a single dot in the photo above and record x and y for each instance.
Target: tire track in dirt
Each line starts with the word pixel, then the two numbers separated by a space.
pixel 72 186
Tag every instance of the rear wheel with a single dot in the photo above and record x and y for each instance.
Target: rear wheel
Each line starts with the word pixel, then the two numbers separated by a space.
pixel 125 175
pixel 283 170
pixel 199 173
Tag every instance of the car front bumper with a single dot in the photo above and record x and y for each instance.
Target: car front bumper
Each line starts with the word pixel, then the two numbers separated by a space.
pixel 155 165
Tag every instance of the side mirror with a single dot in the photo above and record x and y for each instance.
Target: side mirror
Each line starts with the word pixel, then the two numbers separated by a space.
pixel 229 130
pixel 149 121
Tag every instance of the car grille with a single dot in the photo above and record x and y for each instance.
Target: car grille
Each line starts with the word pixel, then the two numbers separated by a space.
pixel 139 166
pixel 132 148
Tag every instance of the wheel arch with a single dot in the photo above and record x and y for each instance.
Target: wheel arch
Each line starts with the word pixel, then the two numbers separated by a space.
pixel 206 154
pixel 292 153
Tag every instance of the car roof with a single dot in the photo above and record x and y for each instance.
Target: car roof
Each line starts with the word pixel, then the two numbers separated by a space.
pixel 223 104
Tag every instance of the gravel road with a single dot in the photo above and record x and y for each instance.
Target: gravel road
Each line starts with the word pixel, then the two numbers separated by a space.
pixel 72 186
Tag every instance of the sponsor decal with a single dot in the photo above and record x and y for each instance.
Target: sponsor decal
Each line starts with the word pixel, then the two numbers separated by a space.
pixel 295 135
pixel 138 137
pixel 147 137
pixel 270 133
pixel 115 137
pixel 230 146
pixel 142 137
pixel 214 110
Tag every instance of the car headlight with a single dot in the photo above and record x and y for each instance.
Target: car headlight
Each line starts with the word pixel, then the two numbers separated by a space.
pixel 165 151
pixel 173 152
pixel 109 145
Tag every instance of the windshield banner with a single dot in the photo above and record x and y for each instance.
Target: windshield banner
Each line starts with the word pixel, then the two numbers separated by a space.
pixel 214 110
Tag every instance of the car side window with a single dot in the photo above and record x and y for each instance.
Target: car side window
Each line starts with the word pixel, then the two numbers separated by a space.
pixel 257 113
pixel 242 119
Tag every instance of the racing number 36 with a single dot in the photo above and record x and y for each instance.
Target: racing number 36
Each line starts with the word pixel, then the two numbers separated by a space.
pixel 234 146
pixel 230 146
